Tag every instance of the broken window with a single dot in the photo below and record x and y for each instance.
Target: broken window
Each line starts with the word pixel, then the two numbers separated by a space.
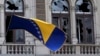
pixel 89 29
pixel 61 20
pixel 84 22
pixel 83 6
pixel 59 5
pixel 16 5
pixel 85 30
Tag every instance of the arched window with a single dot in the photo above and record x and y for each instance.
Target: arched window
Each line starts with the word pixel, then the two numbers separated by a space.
pixel 14 7
pixel 84 21
pixel 61 17
pixel 11 5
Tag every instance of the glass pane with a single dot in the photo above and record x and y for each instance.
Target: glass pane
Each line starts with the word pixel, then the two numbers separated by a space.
pixel 55 21
pixel 88 27
pixel 85 30
pixel 83 6
pixel 16 5
pixel 59 5
pixel 19 36
pixel 64 23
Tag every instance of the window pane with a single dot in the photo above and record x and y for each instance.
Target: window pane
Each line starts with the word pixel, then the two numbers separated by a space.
pixel 85 30
pixel 55 20
pixel 88 28
pixel 59 5
pixel 16 5
pixel 19 36
pixel 64 23
pixel 83 6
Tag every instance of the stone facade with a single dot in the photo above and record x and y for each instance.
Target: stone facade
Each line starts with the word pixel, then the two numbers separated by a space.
pixel 42 9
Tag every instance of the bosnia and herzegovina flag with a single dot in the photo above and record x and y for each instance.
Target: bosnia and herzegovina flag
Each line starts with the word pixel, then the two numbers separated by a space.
pixel 51 36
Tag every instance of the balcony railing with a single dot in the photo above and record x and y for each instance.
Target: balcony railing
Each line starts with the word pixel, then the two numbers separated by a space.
pixel 79 49
pixel 17 49
pixel 69 49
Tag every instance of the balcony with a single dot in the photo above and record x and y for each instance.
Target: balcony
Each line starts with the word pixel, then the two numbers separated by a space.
pixel 17 50
pixel 78 50
pixel 66 50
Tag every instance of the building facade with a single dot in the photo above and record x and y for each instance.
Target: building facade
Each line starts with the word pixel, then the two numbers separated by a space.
pixel 79 19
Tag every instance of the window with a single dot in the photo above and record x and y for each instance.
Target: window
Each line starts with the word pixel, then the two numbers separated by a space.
pixel 60 17
pixel 14 7
pixel 84 21
pixel 83 6
pixel 59 5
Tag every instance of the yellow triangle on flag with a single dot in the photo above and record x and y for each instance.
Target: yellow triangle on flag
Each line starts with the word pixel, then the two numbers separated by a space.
pixel 46 29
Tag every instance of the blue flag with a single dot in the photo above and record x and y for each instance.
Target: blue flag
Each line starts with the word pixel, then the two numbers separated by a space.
pixel 51 36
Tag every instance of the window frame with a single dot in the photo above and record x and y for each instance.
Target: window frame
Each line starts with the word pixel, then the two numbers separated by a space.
pixel 84 15
pixel 63 14
pixel 6 13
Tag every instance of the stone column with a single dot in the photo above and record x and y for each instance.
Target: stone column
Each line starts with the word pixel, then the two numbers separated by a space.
pixel 2 23
pixel 41 12
pixel 73 22
pixel 48 10
pixel 96 17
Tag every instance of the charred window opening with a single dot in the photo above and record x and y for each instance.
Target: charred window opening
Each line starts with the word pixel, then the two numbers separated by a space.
pixel 83 6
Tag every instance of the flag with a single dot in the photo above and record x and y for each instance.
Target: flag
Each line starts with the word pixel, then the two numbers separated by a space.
pixel 52 37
